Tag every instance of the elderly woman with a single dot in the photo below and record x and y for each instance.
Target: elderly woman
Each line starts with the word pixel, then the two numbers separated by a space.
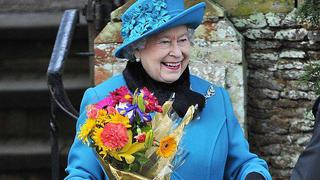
pixel 157 35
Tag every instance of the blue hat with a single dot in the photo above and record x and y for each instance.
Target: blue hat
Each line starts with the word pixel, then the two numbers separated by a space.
pixel 147 17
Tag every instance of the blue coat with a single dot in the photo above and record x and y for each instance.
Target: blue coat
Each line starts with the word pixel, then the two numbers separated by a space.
pixel 215 142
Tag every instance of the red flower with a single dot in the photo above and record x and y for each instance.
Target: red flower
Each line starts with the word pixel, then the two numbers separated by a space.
pixel 121 94
pixel 114 136
pixel 152 103
pixel 141 137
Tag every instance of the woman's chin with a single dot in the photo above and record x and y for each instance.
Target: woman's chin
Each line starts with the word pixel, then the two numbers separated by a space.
pixel 170 78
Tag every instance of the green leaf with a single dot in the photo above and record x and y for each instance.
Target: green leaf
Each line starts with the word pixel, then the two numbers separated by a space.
pixel 309 13
pixel 134 100
pixel 149 139
pixel 134 167
pixel 137 119
pixel 141 103
pixel 141 158
pixel 146 129
pixel 311 76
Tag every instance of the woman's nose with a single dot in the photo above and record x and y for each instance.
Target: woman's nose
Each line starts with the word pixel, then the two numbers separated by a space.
pixel 175 50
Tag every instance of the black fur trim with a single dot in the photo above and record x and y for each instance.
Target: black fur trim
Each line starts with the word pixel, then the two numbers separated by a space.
pixel 136 77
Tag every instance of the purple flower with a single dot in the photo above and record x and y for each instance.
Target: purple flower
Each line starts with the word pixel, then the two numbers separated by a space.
pixel 133 108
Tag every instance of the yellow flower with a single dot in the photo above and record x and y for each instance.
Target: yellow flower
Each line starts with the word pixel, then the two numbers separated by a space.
pixel 102 117
pixel 96 137
pixel 127 97
pixel 118 118
pixel 167 147
pixel 86 129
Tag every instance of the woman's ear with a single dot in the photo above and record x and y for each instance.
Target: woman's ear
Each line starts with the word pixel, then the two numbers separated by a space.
pixel 137 55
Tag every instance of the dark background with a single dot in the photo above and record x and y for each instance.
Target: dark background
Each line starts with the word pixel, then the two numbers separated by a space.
pixel 28 30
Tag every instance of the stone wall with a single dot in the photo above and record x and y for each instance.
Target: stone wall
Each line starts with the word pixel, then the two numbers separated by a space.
pixel 278 112
pixel 218 56
pixel 248 7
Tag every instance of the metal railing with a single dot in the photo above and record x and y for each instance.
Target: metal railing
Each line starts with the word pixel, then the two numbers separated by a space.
pixel 58 96
pixel 97 14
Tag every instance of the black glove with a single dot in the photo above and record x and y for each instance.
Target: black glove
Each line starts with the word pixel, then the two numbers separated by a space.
pixel 254 176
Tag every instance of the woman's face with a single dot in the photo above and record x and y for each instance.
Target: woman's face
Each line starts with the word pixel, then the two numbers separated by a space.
pixel 166 54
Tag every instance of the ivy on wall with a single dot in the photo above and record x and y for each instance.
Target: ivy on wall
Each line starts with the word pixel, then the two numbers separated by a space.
pixel 310 14
pixel 312 74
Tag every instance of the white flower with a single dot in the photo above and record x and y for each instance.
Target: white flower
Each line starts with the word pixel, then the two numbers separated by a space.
pixel 121 107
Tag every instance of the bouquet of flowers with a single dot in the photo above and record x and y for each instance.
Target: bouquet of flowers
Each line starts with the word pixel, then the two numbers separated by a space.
pixel 133 136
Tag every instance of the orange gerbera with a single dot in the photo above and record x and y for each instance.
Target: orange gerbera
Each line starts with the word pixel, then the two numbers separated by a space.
pixel 167 147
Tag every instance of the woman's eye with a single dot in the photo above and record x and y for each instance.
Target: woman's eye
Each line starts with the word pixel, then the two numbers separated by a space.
pixel 165 42
pixel 183 40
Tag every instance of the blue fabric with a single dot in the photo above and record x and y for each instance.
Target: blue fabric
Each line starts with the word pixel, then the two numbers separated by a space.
pixel 215 141
pixel 146 17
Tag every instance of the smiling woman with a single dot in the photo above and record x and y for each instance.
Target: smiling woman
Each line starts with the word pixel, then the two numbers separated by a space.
pixel 166 55
pixel 156 40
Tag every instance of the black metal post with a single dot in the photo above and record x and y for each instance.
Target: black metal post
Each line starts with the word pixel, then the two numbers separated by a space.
pixel 58 96
pixel 54 135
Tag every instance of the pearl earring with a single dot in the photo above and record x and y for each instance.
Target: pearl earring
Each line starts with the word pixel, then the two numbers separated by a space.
pixel 138 59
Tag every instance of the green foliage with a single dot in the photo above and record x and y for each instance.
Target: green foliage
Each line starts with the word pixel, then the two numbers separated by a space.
pixel 139 161
pixel 312 74
pixel 141 103
pixel 141 158
pixel 310 13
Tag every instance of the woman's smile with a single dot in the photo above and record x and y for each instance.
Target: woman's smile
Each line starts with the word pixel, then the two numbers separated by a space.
pixel 174 66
